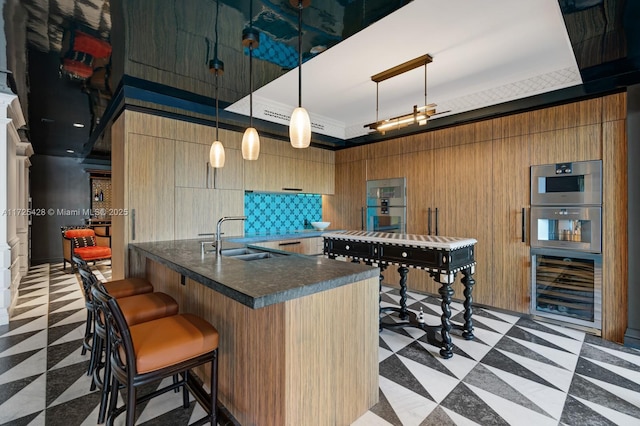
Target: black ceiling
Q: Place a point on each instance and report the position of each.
(608, 57)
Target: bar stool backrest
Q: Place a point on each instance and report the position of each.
(122, 355)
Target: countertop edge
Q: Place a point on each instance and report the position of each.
(220, 288)
(265, 300)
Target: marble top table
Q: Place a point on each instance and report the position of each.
(441, 257)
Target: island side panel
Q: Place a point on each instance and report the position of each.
(312, 360)
(332, 355)
(251, 364)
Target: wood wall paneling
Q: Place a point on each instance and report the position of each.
(119, 228)
(150, 179)
(344, 208)
(614, 231)
(198, 211)
(510, 260)
(480, 191)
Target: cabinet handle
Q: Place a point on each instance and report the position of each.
(292, 189)
(289, 243)
(215, 178)
(362, 218)
(524, 225)
(133, 224)
(436, 221)
(206, 178)
(429, 221)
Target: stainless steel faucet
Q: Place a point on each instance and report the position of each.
(219, 233)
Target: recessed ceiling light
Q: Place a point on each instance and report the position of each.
(317, 49)
(79, 125)
(70, 151)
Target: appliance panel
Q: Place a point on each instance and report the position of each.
(390, 192)
(572, 228)
(567, 286)
(387, 219)
(573, 183)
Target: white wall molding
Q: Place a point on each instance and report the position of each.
(14, 195)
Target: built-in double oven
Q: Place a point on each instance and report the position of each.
(386, 209)
(566, 242)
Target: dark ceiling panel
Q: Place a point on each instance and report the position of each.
(55, 103)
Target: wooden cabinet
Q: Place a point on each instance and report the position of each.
(278, 172)
(193, 169)
(150, 188)
(455, 184)
(198, 211)
(161, 179)
(308, 246)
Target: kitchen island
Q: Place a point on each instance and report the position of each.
(287, 356)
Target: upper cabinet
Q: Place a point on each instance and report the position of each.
(281, 168)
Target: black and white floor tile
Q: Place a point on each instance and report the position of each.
(517, 371)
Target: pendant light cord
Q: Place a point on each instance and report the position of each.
(300, 53)
(215, 58)
(425, 85)
(251, 85)
(251, 67)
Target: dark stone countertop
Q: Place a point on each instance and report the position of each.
(281, 235)
(255, 283)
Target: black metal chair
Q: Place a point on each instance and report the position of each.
(139, 355)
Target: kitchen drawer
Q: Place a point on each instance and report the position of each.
(308, 246)
(359, 250)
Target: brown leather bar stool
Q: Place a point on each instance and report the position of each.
(136, 309)
(139, 355)
(117, 288)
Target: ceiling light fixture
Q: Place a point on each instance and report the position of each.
(419, 115)
(216, 66)
(78, 125)
(250, 139)
(300, 124)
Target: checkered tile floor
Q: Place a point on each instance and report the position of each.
(517, 371)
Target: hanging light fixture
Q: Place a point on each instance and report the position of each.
(216, 66)
(250, 139)
(419, 115)
(216, 153)
(300, 124)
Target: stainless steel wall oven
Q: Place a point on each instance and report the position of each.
(566, 243)
(386, 209)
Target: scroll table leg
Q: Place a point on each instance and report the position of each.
(446, 293)
(403, 271)
(468, 282)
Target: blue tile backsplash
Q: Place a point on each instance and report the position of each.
(270, 213)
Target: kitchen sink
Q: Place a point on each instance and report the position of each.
(245, 253)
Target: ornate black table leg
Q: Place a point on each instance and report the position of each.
(446, 293)
(403, 271)
(468, 282)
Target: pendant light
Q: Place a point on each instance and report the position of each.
(216, 66)
(300, 124)
(216, 153)
(250, 139)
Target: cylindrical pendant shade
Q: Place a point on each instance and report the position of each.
(216, 155)
(250, 144)
(300, 128)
